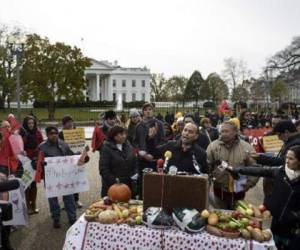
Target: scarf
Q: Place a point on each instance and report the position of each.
(291, 174)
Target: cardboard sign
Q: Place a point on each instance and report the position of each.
(75, 138)
(272, 143)
(29, 172)
(17, 199)
(64, 177)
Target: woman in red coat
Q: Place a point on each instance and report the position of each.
(32, 138)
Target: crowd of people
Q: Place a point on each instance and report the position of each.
(198, 145)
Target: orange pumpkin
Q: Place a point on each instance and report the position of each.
(119, 192)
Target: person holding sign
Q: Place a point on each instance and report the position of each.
(32, 138)
(52, 147)
(9, 164)
(68, 123)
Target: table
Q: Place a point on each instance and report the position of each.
(85, 235)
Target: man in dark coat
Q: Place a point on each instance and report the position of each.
(187, 155)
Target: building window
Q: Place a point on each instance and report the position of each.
(114, 82)
(143, 97)
(124, 97)
(123, 83)
(133, 83)
(114, 97)
(133, 97)
(143, 83)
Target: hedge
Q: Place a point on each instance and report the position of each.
(87, 104)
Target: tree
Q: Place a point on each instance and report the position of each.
(287, 59)
(7, 65)
(258, 90)
(235, 72)
(279, 91)
(193, 87)
(158, 85)
(240, 94)
(175, 88)
(52, 72)
(217, 88)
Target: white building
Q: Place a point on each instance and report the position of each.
(106, 82)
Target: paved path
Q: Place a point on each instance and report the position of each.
(40, 235)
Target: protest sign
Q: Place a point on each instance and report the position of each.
(17, 199)
(75, 138)
(272, 143)
(64, 177)
(255, 135)
(29, 172)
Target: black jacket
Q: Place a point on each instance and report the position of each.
(184, 160)
(116, 164)
(284, 202)
(142, 140)
(55, 149)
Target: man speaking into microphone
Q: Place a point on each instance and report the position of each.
(185, 153)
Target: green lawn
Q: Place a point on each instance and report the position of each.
(81, 114)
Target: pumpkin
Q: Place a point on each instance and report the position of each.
(119, 192)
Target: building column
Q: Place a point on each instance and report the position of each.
(109, 89)
(97, 87)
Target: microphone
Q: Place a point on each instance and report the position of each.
(160, 165)
(168, 156)
(9, 185)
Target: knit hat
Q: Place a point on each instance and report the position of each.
(235, 121)
(133, 113)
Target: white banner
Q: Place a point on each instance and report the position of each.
(17, 199)
(29, 172)
(64, 177)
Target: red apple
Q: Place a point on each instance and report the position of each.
(262, 208)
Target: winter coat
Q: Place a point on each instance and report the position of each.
(184, 160)
(236, 154)
(49, 149)
(98, 138)
(31, 139)
(116, 164)
(284, 201)
(7, 157)
(277, 161)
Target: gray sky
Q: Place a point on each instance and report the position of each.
(168, 36)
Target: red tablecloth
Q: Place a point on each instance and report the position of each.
(92, 235)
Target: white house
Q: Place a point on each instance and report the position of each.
(107, 81)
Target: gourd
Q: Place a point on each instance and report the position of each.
(119, 192)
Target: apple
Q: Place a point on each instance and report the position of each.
(249, 228)
(205, 214)
(245, 221)
(262, 208)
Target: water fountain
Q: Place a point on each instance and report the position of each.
(119, 106)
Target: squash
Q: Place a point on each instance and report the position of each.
(119, 192)
(108, 217)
